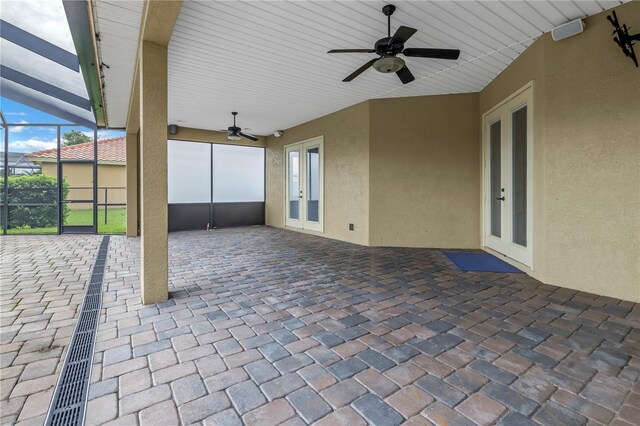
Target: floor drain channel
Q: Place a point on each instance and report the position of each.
(69, 400)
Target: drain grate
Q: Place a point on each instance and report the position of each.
(70, 398)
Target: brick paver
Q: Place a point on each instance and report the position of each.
(266, 326)
(42, 284)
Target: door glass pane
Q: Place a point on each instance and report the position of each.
(519, 175)
(313, 184)
(238, 174)
(188, 172)
(495, 171)
(294, 184)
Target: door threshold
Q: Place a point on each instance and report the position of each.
(524, 268)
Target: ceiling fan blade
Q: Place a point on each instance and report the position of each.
(360, 70)
(248, 136)
(403, 34)
(432, 53)
(351, 51)
(405, 75)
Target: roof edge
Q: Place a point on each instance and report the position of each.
(80, 19)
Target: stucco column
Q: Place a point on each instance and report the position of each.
(153, 172)
(132, 184)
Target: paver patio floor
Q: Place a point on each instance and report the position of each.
(266, 326)
(42, 282)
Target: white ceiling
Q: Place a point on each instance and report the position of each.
(268, 61)
(118, 23)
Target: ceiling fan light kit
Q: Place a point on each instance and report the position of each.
(389, 47)
(235, 132)
(388, 64)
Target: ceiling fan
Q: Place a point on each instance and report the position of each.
(235, 132)
(389, 47)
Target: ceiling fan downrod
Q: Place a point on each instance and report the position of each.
(388, 11)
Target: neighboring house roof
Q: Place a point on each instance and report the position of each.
(19, 159)
(109, 151)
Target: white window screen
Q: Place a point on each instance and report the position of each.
(238, 174)
(189, 172)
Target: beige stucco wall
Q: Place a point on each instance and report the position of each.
(81, 175)
(417, 182)
(414, 184)
(346, 172)
(586, 157)
(50, 169)
(424, 172)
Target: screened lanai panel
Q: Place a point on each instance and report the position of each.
(189, 172)
(238, 174)
(32, 181)
(78, 174)
(112, 184)
(3, 207)
(39, 66)
(214, 185)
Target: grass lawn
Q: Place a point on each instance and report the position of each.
(116, 222)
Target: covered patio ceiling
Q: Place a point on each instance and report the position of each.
(268, 59)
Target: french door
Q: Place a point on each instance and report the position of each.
(304, 185)
(508, 177)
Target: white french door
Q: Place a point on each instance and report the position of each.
(304, 169)
(508, 177)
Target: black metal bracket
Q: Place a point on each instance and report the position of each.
(623, 38)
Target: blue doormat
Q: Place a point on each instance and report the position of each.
(480, 262)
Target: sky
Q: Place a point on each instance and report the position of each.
(32, 139)
(46, 20)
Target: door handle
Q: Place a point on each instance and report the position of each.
(500, 198)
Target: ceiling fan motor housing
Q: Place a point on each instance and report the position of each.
(386, 46)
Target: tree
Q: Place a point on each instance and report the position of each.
(75, 137)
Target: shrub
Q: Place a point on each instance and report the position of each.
(34, 189)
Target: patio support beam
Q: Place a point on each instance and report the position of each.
(132, 184)
(158, 20)
(154, 282)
